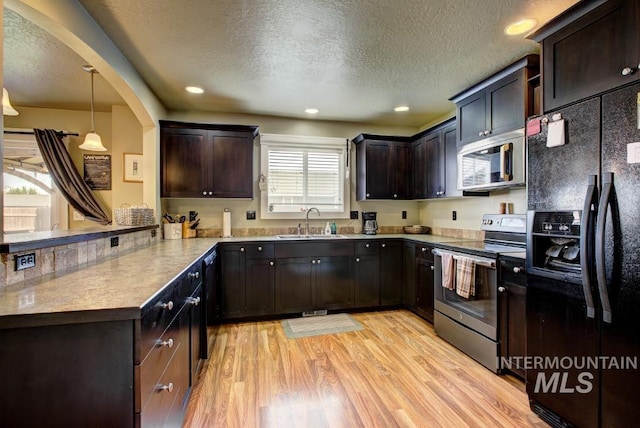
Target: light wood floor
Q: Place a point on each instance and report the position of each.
(394, 372)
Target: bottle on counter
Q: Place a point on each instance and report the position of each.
(327, 229)
(334, 228)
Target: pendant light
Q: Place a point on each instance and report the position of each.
(7, 108)
(92, 141)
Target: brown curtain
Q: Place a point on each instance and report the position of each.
(65, 175)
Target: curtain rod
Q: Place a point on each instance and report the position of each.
(62, 134)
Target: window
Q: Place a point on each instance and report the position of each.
(32, 202)
(298, 173)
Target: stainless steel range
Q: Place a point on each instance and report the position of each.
(466, 288)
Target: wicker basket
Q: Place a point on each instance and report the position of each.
(415, 230)
(127, 215)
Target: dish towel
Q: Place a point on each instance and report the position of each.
(465, 277)
(448, 271)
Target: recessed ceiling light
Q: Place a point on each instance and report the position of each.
(312, 111)
(194, 89)
(401, 108)
(520, 27)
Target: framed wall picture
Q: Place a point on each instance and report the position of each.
(132, 170)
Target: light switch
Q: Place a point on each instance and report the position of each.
(633, 153)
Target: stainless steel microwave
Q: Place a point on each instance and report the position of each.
(492, 163)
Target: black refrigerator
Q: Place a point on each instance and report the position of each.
(583, 264)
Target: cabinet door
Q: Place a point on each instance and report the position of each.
(260, 286)
(391, 273)
(424, 288)
(294, 290)
(450, 188)
(232, 165)
(435, 165)
(419, 168)
(367, 281)
(378, 176)
(399, 170)
(588, 56)
(472, 114)
(184, 169)
(505, 103)
(409, 275)
(232, 287)
(333, 282)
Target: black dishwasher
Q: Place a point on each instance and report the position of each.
(210, 308)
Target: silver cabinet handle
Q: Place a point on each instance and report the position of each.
(517, 269)
(357, 259)
(194, 275)
(627, 71)
(383, 245)
(167, 343)
(194, 301)
(395, 195)
(432, 268)
(501, 289)
(480, 134)
(259, 248)
(424, 250)
(168, 388)
(366, 245)
(204, 192)
(318, 261)
(270, 263)
(210, 193)
(487, 132)
(368, 195)
(313, 262)
(168, 305)
(242, 249)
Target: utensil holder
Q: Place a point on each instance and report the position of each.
(187, 232)
(172, 231)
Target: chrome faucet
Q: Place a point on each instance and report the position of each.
(306, 223)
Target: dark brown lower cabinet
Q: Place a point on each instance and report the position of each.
(260, 286)
(333, 283)
(391, 267)
(409, 275)
(294, 285)
(424, 282)
(367, 281)
(512, 308)
(232, 281)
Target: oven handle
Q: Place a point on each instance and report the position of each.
(489, 263)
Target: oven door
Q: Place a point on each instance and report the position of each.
(479, 312)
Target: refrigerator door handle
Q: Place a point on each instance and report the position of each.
(607, 185)
(585, 235)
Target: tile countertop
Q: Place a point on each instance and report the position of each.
(117, 288)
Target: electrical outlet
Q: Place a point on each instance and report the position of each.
(454, 215)
(153, 233)
(354, 215)
(25, 261)
(114, 241)
(404, 215)
(251, 215)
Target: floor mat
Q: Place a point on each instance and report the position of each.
(315, 326)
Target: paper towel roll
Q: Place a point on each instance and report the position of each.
(226, 224)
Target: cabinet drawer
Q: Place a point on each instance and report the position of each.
(157, 361)
(512, 272)
(156, 317)
(365, 248)
(188, 283)
(424, 252)
(159, 404)
(259, 251)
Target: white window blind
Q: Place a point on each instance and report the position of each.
(303, 172)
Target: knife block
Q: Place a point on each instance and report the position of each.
(187, 232)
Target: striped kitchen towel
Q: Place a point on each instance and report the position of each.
(448, 271)
(465, 277)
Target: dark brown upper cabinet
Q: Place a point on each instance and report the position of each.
(206, 161)
(591, 48)
(498, 104)
(382, 167)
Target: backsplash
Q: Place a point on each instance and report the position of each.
(62, 257)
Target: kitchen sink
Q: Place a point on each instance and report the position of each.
(295, 236)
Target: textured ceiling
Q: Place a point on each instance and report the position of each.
(354, 60)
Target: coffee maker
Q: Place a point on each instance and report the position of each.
(369, 223)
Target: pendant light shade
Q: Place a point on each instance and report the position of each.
(7, 108)
(92, 141)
